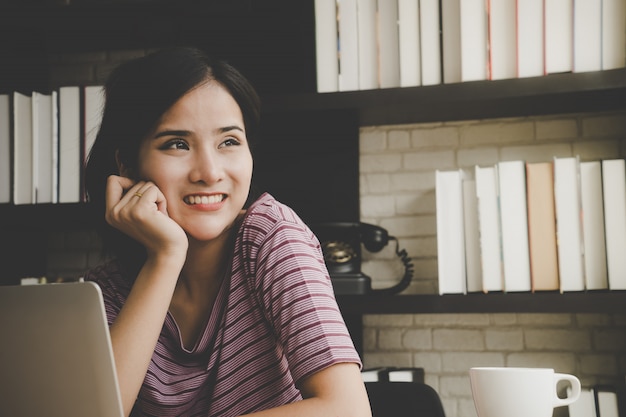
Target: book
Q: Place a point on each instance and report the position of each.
(378, 374)
(607, 400)
(544, 268)
(451, 40)
(613, 34)
(408, 374)
(530, 44)
(450, 232)
(93, 104)
(409, 43)
(489, 228)
(393, 374)
(614, 193)
(594, 245)
(430, 42)
(514, 225)
(368, 44)
(22, 149)
(558, 29)
(473, 267)
(502, 39)
(55, 146)
(69, 144)
(474, 41)
(326, 58)
(587, 35)
(43, 147)
(5, 149)
(388, 49)
(347, 23)
(585, 406)
(568, 223)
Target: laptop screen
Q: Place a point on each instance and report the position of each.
(55, 356)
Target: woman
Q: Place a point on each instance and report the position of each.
(218, 306)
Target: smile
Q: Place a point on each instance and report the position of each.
(204, 199)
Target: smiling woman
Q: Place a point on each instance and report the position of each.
(219, 302)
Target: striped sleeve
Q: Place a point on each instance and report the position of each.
(296, 292)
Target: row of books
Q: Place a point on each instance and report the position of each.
(519, 226)
(44, 141)
(369, 44)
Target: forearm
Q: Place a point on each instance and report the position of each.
(135, 332)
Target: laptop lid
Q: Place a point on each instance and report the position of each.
(55, 355)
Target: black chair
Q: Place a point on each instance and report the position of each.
(404, 399)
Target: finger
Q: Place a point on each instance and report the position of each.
(116, 188)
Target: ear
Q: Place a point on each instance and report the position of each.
(123, 170)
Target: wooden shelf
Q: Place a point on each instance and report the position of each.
(551, 94)
(541, 302)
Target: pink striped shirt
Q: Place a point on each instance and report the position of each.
(275, 322)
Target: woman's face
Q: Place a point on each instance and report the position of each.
(198, 156)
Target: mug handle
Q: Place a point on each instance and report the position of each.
(575, 383)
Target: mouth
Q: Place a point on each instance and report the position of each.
(204, 199)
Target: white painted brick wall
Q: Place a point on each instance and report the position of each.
(397, 192)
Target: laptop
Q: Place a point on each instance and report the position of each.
(56, 358)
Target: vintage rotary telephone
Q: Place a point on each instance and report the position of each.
(341, 246)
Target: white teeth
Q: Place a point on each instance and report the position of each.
(204, 199)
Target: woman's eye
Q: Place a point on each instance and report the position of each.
(175, 144)
(230, 142)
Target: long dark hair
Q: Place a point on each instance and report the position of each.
(137, 93)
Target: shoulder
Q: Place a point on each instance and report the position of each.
(267, 217)
(112, 280)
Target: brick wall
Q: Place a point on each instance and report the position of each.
(397, 180)
(397, 187)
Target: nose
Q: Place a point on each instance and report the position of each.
(206, 167)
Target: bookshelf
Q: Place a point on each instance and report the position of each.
(284, 31)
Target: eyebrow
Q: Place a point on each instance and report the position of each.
(187, 133)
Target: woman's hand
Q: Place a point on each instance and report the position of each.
(139, 209)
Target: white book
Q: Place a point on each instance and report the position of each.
(489, 227)
(474, 41)
(568, 224)
(514, 225)
(5, 149)
(43, 143)
(607, 402)
(430, 42)
(409, 41)
(614, 191)
(530, 39)
(69, 144)
(451, 40)
(389, 47)
(593, 225)
(585, 406)
(22, 149)
(587, 35)
(450, 232)
(348, 45)
(472, 236)
(558, 15)
(613, 34)
(94, 104)
(368, 47)
(55, 147)
(327, 65)
(502, 39)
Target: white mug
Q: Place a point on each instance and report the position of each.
(519, 392)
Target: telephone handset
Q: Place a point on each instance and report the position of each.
(341, 245)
